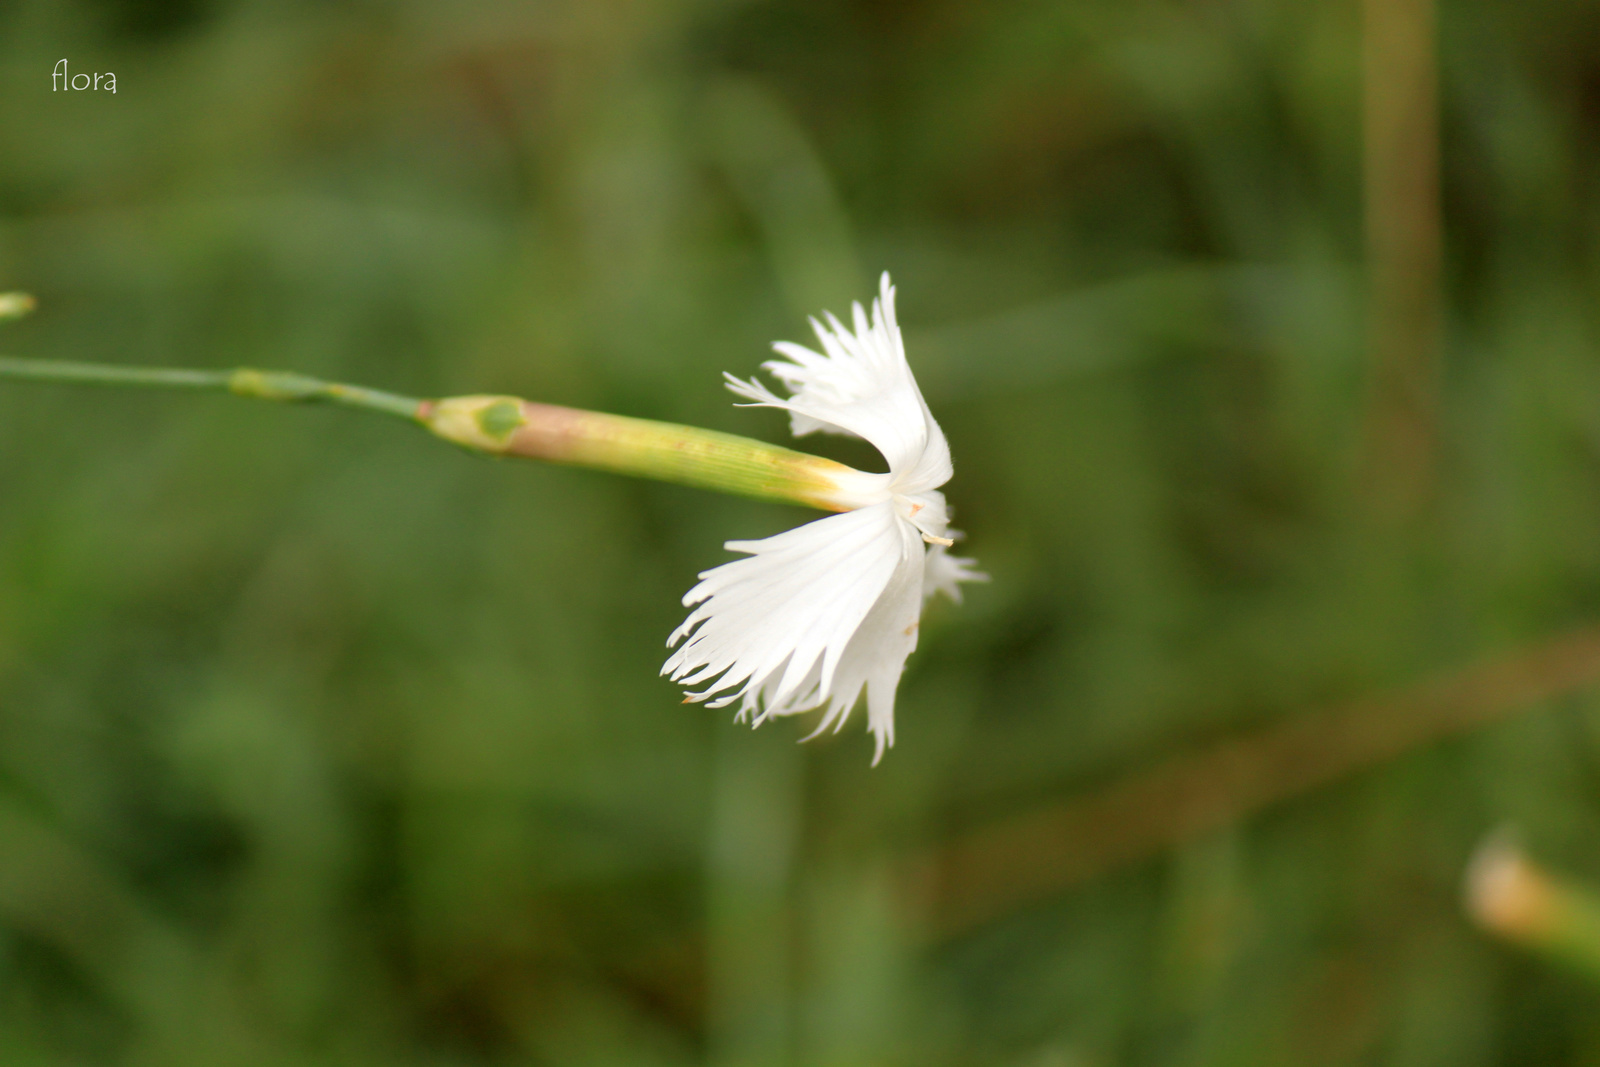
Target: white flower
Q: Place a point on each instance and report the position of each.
(814, 615)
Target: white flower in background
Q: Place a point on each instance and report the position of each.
(814, 615)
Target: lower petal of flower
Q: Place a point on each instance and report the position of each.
(878, 651)
(775, 628)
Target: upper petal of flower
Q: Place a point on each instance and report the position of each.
(860, 384)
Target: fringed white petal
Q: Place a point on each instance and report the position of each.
(943, 573)
(860, 384)
(775, 626)
(877, 653)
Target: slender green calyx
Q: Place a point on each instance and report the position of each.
(511, 426)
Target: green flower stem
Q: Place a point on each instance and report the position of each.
(510, 426)
(241, 381)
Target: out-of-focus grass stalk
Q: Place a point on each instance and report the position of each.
(1403, 247)
(754, 834)
(778, 174)
(510, 426)
(1511, 897)
(991, 871)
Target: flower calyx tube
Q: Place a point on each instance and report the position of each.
(686, 455)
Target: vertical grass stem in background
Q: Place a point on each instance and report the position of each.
(1403, 228)
(758, 789)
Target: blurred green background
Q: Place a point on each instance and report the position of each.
(323, 743)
